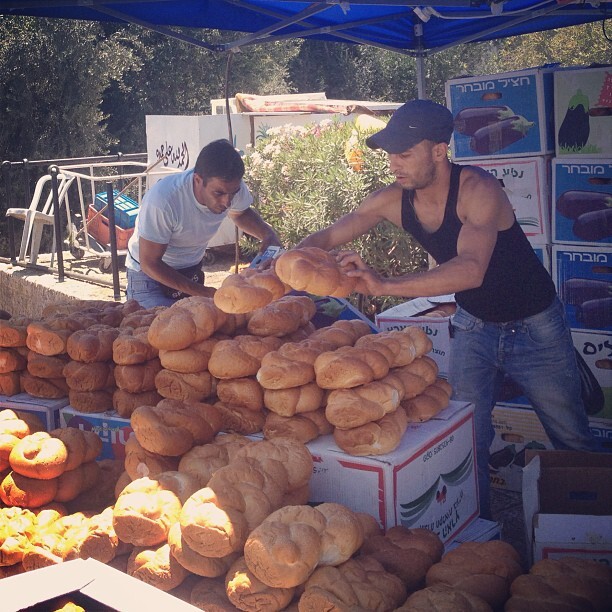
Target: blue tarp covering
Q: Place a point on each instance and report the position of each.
(386, 23)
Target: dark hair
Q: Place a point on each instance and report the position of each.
(219, 159)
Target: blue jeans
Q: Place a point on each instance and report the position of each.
(537, 352)
(146, 291)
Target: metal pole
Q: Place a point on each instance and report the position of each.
(6, 171)
(420, 62)
(57, 226)
(110, 199)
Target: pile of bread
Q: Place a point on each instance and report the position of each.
(227, 527)
(266, 370)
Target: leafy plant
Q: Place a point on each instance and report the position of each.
(303, 178)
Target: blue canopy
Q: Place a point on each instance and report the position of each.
(414, 27)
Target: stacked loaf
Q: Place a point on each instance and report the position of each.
(39, 468)
(249, 290)
(291, 394)
(13, 354)
(568, 583)
(136, 363)
(483, 569)
(377, 388)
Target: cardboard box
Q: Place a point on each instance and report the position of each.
(596, 350)
(543, 253)
(567, 504)
(583, 277)
(97, 226)
(502, 115)
(516, 431)
(113, 430)
(436, 327)
(47, 410)
(525, 181)
(602, 430)
(428, 481)
(89, 584)
(582, 102)
(332, 309)
(126, 209)
(582, 201)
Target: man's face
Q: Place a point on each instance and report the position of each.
(216, 194)
(414, 168)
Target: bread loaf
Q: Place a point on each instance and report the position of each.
(95, 376)
(441, 598)
(172, 427)
(348, 367)
(46, 366)
(295, 400)
(10, 423)
(286, 548)
(315, 271)
(47, 388)
(12, 360)
(358, 584)
(485, 569)
(10, 383)
(283, 316)
(138, 378)
(567, 583)
(241, 356)
(14, 331)
(92, 344)
(39, 456)
(347, 408)
(147, 507)
(187, 321)
(249, 290)
(374, 438)
(190, 387)
(245, 392)
(50, 336)
(140, 462)
(157, 567)
(246, 592)
(125, 402)
(19, 490)
(407, 553)
(191, 560)
(91, 401)
(132, 346)
(192, 359)
(297, 427)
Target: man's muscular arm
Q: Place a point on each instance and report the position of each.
(484, 212)
(381, 205)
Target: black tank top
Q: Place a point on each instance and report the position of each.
(516, 284)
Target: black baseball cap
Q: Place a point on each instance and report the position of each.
(411, 123)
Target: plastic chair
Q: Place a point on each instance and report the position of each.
(35, 220)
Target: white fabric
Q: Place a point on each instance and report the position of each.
(170, 214)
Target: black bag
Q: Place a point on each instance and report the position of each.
(193, 273)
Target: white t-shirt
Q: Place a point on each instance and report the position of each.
(170, 214)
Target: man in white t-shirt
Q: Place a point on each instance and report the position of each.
(178, 217)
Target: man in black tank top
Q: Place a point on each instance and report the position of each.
(509, 320)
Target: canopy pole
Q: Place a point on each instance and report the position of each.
(420, 62)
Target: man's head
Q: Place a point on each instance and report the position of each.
(217, 175)
(412, 123)
(219, 159)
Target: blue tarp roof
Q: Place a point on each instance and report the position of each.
(417, 28)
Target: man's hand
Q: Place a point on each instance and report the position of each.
(369, 282)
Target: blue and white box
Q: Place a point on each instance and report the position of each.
(502, 115)
(582, 201)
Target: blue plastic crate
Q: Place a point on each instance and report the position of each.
(126, 209)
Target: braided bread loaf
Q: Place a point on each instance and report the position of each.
(286, 548)
(313, 270)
